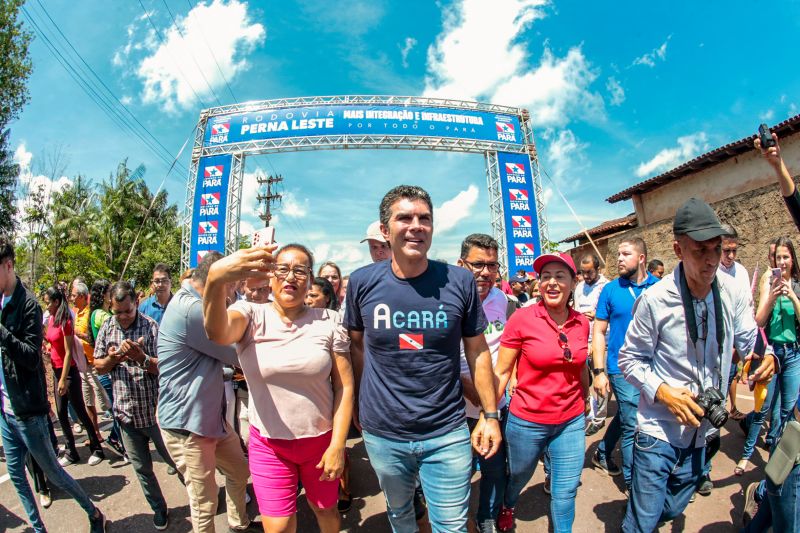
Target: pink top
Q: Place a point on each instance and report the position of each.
(288, 369)
(55, 336)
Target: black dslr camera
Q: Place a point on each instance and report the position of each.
(713, 404)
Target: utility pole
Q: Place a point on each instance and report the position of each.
(267, 196)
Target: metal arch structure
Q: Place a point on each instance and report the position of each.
(456, 126)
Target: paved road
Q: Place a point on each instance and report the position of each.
(600, 503)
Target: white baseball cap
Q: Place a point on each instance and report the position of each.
(374, 232)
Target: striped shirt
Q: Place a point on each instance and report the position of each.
(135, 389)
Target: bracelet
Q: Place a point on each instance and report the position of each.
(493, 415)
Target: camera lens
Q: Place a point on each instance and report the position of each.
(717, 416)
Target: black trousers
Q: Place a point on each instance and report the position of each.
(74, 396)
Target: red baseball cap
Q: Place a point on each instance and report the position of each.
(560, 257)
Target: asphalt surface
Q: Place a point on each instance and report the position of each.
(600, 504)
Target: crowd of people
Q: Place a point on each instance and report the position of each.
(258, 369)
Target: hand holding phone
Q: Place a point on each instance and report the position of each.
(765, 136)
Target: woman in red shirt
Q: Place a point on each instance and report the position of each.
(67, 379)
(548, 343)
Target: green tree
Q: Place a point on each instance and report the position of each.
(9, 174)
(15, 65)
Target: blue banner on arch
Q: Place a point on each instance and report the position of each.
(519, 209)
(210, 207)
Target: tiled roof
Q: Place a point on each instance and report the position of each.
(714, 157)
(607, 227)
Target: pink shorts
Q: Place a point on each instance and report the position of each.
(276, 465)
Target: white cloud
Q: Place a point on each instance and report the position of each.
(688, 147)
(345, 254)
(23, 157)
(476, 50)
(616, 91)
(767, 116)
(291, 206)
(566, 154)
(556, 91)
(173, 71)
(657, 54)
(30, 183)
(451, 212)
(126, 100)
(793, 110)
(408, 45)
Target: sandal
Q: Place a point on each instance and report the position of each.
(737, 415)
(741, 467)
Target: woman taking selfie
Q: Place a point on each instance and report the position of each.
(778, 310)
(548, 343)
(297, 365)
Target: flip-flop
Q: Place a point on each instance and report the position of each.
(741, 467)
(737, 415)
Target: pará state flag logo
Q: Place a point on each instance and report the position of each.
(505, 127)
(411, 341)
(201, 254)
(214, 171)
(518, 195)
(221, 128)
(210, 198)
(523, 250)
(521, 221)
(515, 169)
(210, 226)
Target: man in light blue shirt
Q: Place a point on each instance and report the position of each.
(191, 407)
(678, 347)
(161, 283)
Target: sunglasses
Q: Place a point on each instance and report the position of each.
(563, 343)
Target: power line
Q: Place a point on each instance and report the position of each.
(211, 50)
(91, 91)
(113, 96)
(177, 65)
(194, 60)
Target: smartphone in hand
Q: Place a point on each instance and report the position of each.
(263, 237)
(765, 136)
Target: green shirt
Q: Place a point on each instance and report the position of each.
(782, 322)
(98, 318)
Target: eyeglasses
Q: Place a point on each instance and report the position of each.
(563, 343)
(701, 314)
(478, 266)
(161, 281)
(282, 272)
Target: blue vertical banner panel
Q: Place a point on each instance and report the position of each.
(210, 206)
(519, 210)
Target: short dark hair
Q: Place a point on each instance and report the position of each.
(7, 249)
(638, 243)
(593, 258)
(478, 240)
(730, 232)
(121, 290)
(200, 272)
(402, 192)
(653, 265)
(306, 251)
(164, 269)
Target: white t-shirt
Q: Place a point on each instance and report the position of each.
(288, 369)
(587, 296)
(740, 276)
(495, 307)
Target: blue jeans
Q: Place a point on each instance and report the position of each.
(781, 508)
(442, 465)
(525, 442)
(664, 479)
(622, 425)
(31, 435)
(787, 385)
(492, 486)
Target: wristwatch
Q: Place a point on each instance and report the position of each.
(598, 371)
(495, 415)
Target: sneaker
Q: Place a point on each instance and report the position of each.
(77, 428)
(97, 523)
(247, 498)
(547, 485)
(160, 520)
(704, 489)
(693, 498)
(45, 499)
(96, 458)
(254, 527)
(107, 416)
(67, 459)
(125, 459)
(594, 427)
(171, 472)
(750, 503)
(606, 464)
(487, 526)
(505, 520)
(116, 446)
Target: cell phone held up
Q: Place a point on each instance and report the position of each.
(263, 237)
(776, 274)
(765, 136)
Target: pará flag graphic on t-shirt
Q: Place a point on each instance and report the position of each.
(411, 341)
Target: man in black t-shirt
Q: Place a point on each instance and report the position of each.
(407, 318)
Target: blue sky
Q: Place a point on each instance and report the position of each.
(618, 92)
